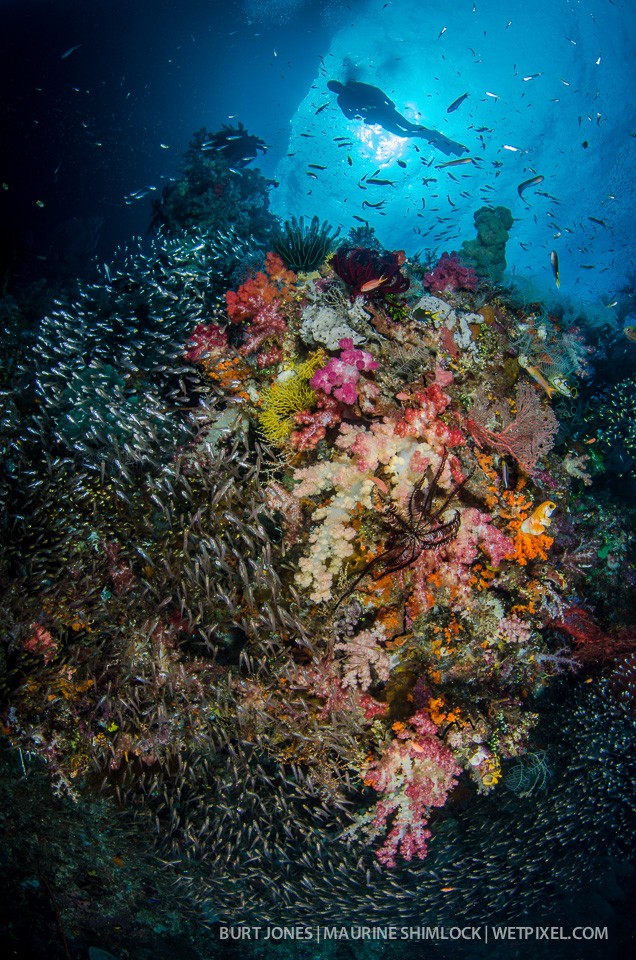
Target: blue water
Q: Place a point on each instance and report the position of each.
(549, 93)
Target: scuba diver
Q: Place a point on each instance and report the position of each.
(370, 104)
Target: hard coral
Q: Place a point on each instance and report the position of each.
(370, 273)
(449, 274)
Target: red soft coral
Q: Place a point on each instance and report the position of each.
(449, 274)
(259, 303)
(315, 423)
(205, 339)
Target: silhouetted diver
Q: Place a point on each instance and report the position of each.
(372, 105)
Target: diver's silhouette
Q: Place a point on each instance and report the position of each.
(372, 105)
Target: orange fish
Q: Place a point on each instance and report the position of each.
(372, 284)
(539, 519)
(536, 374)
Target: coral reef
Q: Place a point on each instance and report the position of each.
(309, 606)
(216, 190)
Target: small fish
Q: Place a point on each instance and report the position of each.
(316, 166)
(495, 96)
(539, 519)
(164, 146)
(70, 50)
(562, 386)
(453, 163)
(349, 160)
(596, 220)
(532, 76)
(536, 375)
(554, 260)
(533, 181)
(372, 284)
(630, 332)
(457, 103)
(442, 32)
(320, 109)
(402, 163)
(382, 183)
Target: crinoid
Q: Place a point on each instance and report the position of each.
(370, 273)
(304, 248)
(409, 533)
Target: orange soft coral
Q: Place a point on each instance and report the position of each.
(526, 546)
(264, 289)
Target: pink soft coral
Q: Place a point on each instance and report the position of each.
(341, 374)
(417, 772)
(41, 642)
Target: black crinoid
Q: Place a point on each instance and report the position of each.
(304, 248)
(409, 533)
(235, 144)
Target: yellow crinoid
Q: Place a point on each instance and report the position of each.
(288, 395)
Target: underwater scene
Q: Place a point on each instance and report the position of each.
(317, 480)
